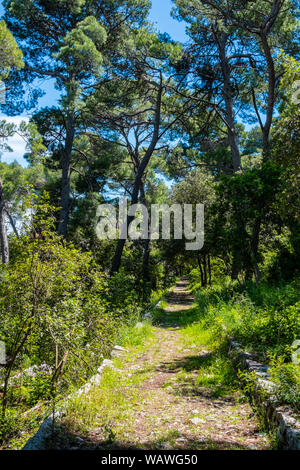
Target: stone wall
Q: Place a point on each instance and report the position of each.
(277, 418)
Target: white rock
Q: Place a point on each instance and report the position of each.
(197, 421)
(119, 348)
(105, 363)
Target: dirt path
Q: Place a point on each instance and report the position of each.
(172, 410)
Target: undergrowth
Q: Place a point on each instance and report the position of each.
(265, 320)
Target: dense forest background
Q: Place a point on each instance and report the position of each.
(214, 121)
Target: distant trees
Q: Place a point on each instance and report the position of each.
(13, 178)
(233, 52)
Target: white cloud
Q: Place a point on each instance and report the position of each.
(16, 143)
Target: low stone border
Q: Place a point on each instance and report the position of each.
(43, 435)
(41, 438)
(276, 417)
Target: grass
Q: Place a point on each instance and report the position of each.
(18, 428)
(265, 319)
(135, 335)
(108, 408)
(214, 369)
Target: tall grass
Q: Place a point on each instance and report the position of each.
(265, 319)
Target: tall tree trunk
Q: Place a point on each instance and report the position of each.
(66, 175)
(254, 247)
(116, 263)
(271, 96)
(147, 242)
(229, 116)
(234, 267)
(209, 269)
(205, 270)
(3, 231)
(146, 259)
(227, 93)
(266, 128)
(201, 270)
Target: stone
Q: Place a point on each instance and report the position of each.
(41, 438)
(117, 351)
(119, 348)
(197, 421)
(105, 363)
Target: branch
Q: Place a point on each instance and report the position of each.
(256, 109)
(11, 220)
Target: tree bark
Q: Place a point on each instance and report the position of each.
(271, 97)
(3, 231)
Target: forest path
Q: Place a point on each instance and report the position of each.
(174, 397)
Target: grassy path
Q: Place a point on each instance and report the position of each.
(177, 391)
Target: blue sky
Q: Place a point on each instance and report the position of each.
(160, 15)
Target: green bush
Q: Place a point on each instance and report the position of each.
(286, 376)
(266, 320)
(53, 307)
(263, 318)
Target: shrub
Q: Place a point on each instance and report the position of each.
(52, 305)
(286, 376)
(263, 318)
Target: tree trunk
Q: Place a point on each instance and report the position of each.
(3, 231)
(147, 242)
(201, 271)
(254, 247)
(209, 270)
(271, 96)
(227, 93)
(146, 258)
(266, 128)
(266, 147)
(234, 268)
(205, 270)
(139, 178)
(66, 175)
